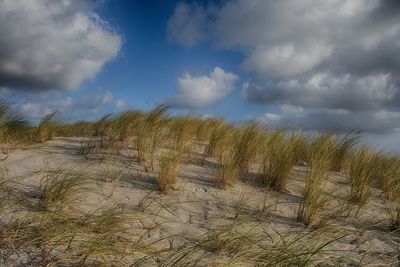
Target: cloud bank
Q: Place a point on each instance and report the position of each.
(202, 91)
(52, 44)
(336, 60)
(38, 105)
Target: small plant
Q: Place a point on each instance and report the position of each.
(313, 201)
(46, 127)
(169, 168)
(226, 170)
(277, 161)
(58, 190)
(341, 152)
(360, 177)
(246, 146)
(150, 133)
(215, 145)
(389, 175)
(109, 220)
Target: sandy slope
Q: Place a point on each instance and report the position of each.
(196, 206)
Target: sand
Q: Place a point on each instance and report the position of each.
(196, 207)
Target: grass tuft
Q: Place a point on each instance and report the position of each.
(59, 190)
(313, 201)
(362, 169)
(169, 168)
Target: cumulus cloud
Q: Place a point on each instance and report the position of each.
(203, 91)
(36, 106)
(324, 90)
(337, 60)
(187, 26)
(52, 44)
(120, 104)
(377, 122)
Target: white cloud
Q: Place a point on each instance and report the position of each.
(335, 60)
(52, 44)
(286, 59)
(327, 90)
(187, 25)
(120, 104)
(34, 107)
(203, 91)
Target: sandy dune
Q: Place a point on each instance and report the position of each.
(196, 207)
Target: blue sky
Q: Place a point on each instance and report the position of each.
(315, 65)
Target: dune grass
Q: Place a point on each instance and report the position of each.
(246, 146)
(277, 161)
(59, 190)
(388, 174)
(341, 152)
(47, 126)
(226, 172)
(58, 233)
(150, 134)
(313, 201)
(361, 173)
(169, 168)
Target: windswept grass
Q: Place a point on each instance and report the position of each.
(227, 168)
(388, 173)
(277, 161)
(182, 134)
(169, 168)
(126, 124)
(362, 169)
(47, 126)
(150, 134)
(13, 129)
(246, 146)
(60, 189)
(251, 246)
(313, 201)
(341, 152)
(215, 145)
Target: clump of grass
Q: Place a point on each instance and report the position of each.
(102, 126)
(278, 160)
(252, 246)
(205, 128)
(169, 168)
(227, 169)
(60, 189)
(182, 133)
(150, 134)
(109, 220)
(389, 174)
(246, 146)
(126, 124)
(13, 129)
(313, 201)
(215, 145)
(47, 125)
(361, 172)
(298, 144)
(341, 152)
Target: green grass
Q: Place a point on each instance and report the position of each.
(246, 146)
(169, 168)
(361, 173)
(313, 202)
(277, 161)
(58, 190)
(47, 126)
(226, 172)
(388, 174)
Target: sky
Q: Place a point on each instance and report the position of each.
(309, 64)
